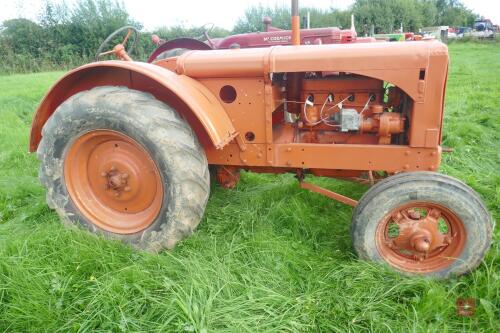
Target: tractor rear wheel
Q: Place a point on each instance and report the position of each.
(123, 164)
(422, 223)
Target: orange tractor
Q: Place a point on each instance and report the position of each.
(127, 148)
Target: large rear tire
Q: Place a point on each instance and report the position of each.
(121, 163)
(422, 223)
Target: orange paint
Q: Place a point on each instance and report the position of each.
(113, 181)
(247, 105)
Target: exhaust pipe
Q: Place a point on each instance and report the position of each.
(294, 79)
(295, 23)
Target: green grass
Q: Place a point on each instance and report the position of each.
(267, 257)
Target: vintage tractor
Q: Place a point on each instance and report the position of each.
(271, 36)
(127, 148)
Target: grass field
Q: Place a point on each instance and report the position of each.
(267, 257)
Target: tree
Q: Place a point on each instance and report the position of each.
(23, 36)
(429, 12)
(454, 13)
(252, 18)
(385, 15)
(388, 15)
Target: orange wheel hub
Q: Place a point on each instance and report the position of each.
(113, 181)
(420, 237)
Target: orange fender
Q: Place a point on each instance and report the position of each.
(190, 98)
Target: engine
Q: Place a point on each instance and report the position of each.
(345, 108)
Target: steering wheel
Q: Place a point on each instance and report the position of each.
(207, 28)
(119, 49)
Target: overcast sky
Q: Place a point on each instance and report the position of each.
(155, 13)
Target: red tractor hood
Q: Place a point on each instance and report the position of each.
(284, 37)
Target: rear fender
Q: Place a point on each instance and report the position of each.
(190, 98)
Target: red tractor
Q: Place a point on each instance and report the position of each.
(270, 37)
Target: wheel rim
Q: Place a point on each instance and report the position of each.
(420, 237)
(113, 181)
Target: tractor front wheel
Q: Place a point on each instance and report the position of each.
(422, 223)
(121, 163)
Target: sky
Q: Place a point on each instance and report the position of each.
(223, 13)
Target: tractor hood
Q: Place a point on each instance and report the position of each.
(284, 37)
(398, 63)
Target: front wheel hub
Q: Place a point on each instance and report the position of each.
(116, 181)
(420, 237)
(421, 242)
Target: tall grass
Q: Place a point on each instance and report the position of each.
(267, 257)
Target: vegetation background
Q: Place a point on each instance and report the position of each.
(64, 37)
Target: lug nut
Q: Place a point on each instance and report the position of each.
(398, 216)
(435, 213)
(415, 215)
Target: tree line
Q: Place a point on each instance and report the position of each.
(64, 36)
(385, 15)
